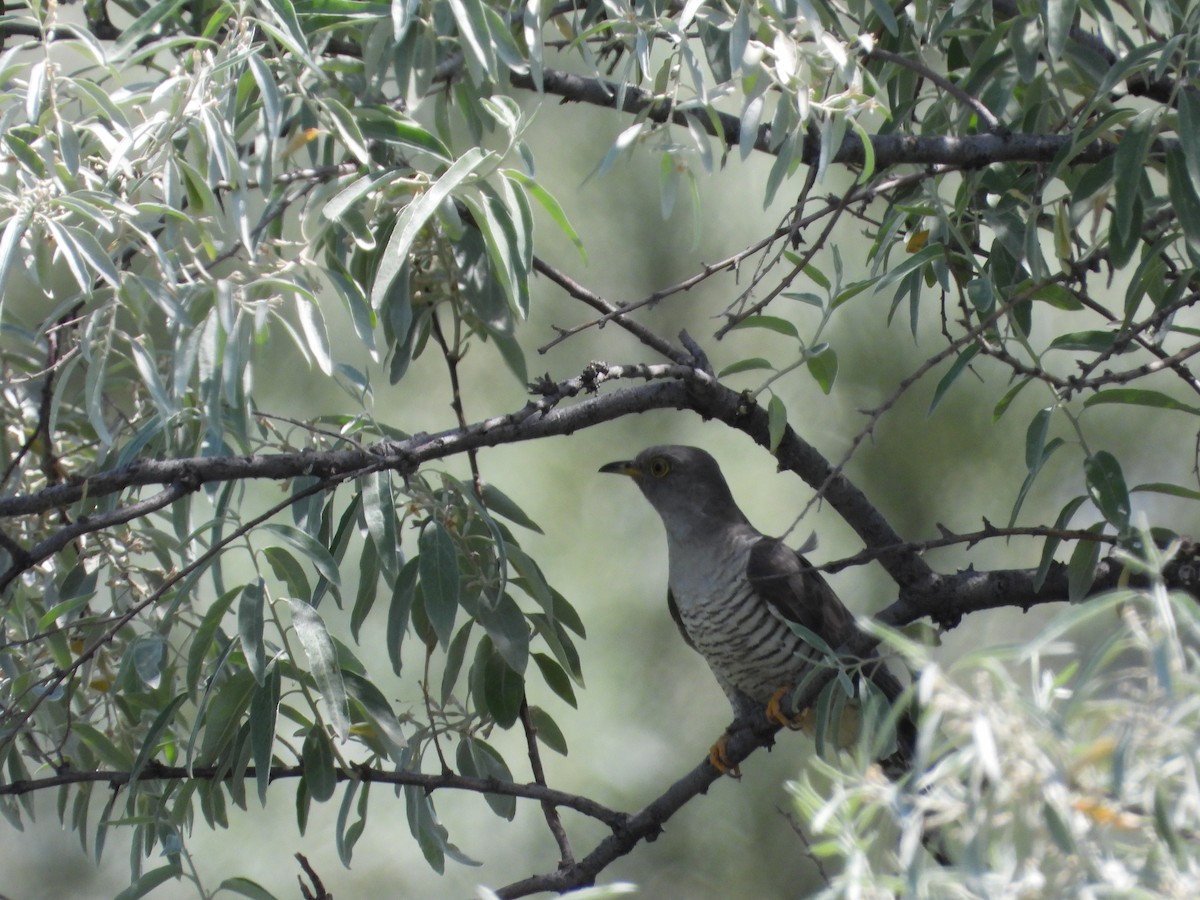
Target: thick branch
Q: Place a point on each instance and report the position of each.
(967, 152)
(688, 388)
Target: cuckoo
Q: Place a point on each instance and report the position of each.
(734, 593)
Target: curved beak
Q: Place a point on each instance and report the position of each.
(622, 467)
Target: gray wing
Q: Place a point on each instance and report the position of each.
(783, 578)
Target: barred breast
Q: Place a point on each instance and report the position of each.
(746, 643)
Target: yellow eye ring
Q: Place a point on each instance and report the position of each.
(659, 467)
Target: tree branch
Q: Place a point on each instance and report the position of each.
(970, 151)
(156, 772)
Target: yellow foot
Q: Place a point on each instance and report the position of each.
(719, 761)
(775, 712)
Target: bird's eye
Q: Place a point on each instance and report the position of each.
(659, 467)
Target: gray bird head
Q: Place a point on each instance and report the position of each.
(684, 485)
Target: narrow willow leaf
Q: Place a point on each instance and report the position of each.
(555, 677)
(1059, 16)
(202, 639)
(1010, 395)
(1130, 170)
(414, 216)
(547, 730)
(147, 653)
(368, 588)
(151, 880)
(503, 688)
(250, 628)
(312, 323)
(487, 763)
(376, 707)
(440, 582)
(960, 364)
(771, 323)
(745, 365)
(10, 240)
(316, 756)
(1052, 542)
(1106, 487)
(491, 765)
(264, 708)
(347, 128)
(508, 629)
(322, 663)
(1081, 570)
(1140, 397)
(346, 837)
(1035, 438)
(776, 422)
(1096, 341)
(501, 504)
(288, 570)
(1189, 132)
(150, 743)
(1173, 490)
(223, 717)
(308, 546)
(379, 509)
(403, 592)
(245, 887)
(476, 41)
(552, 207)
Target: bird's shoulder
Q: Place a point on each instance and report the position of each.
(786, 581)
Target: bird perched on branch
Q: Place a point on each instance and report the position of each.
(747, 603)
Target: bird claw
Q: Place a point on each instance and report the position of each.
(718, 759)
(776, 714)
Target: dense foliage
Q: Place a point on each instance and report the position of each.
(184, 186)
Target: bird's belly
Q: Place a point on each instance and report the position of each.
(746, 644)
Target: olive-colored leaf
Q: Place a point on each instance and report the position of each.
(501, 504)
(403, 592)
(823, 367)
(246, 888)
(316, 756)
(547, 730)
(223, 715)
(479, 760)
(1081, 570)
(776, 422)
(440, 580)
(1051, 545)
(555, 677)
(745, 365)
(943, 385)
(1140, 397)
(507, 627)
(264, 709)
(1106, 487)
(288, 570)
(771, 323)
(310, 548)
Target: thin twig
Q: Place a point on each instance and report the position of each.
(913, 65)
(449, 781)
